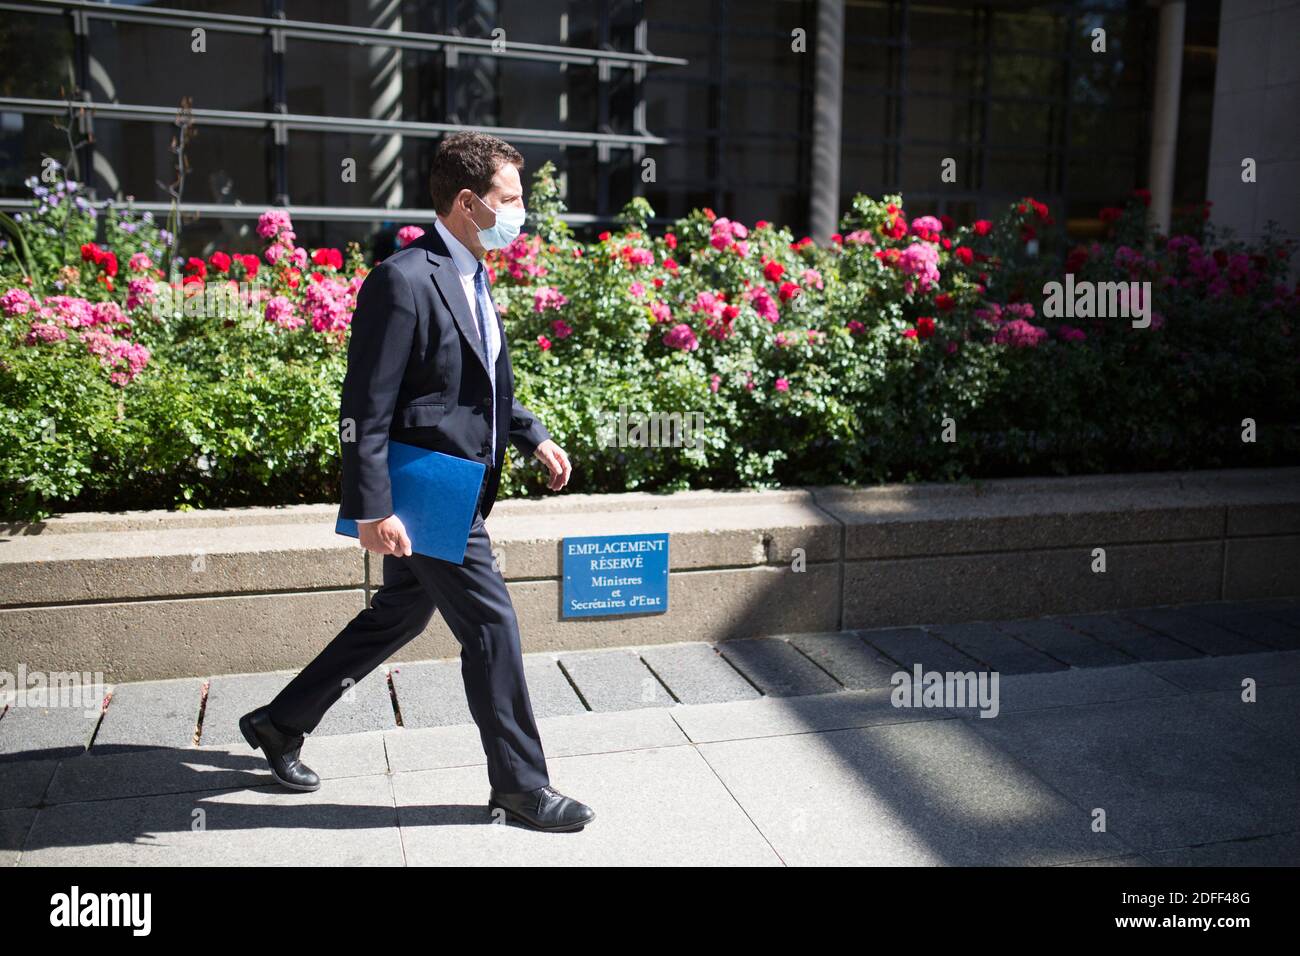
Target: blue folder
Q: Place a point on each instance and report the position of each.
(434, 495)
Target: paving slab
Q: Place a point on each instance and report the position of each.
(1065, 644)
(549, 690)
(24, 782)
(1250, 622)
(1169, 772)
(161, 713)
(1017, 693)
(1205, 636)
(1275, 711)
(14, 827)
(366, 707)
(777, 716)
(1131, 859)
(1128, 636)
(443, 747)
(152, 772)
(909, 646)
(351, 822)
(776, 667)
(614, 680)
(34, 733)
(1275, 669)
(696, 673)
(1278, 849)
(1286, 610)
(925, 793)
(995, 648)
(431, 694)
(230, 696)
(848, 658)
(657, 807)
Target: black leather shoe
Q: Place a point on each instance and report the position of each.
(281, 750)
(543, 809)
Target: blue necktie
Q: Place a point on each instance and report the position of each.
(487, 327)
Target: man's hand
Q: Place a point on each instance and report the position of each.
(553, 457)
(385, 537)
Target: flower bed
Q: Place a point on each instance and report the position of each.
(901, 350)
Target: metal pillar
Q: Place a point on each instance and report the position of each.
(1164, 114)
(828, 93)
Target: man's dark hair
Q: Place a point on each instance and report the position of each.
(467, 161)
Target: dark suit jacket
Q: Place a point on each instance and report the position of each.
(416, 374)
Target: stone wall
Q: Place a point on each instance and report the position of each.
(148, 595)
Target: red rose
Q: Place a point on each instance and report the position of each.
(982, 227)
(925, 326)
(947, 223)
(789, 290)
(196, 267)
(670, 240)
(250, 265)
(603, 236)
(219, 261)
(328, 257)
(709, 214)
(89, 251)
(109, 262)
(773, 270)
(964, 255)
(837, 239)
(944, 301)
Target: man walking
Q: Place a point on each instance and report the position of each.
(428, 366)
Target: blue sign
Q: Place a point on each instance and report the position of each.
(615, 574)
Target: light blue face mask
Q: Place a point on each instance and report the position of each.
(509, 221)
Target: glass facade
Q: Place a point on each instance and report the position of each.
(288, 94)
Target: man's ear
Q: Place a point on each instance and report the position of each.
(473, 208)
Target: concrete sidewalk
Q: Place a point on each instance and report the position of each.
(766, 751)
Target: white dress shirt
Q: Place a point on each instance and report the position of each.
(466, 267)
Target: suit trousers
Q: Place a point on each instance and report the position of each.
(477, 607)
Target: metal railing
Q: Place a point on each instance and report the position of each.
(279, 122)
(340, 33)
(276, 118)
